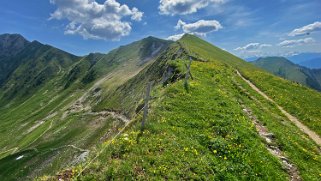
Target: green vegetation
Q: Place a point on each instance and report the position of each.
(298, 100)
(35, 65)
(46, 105)
(126, 98)
(204, 133)
(284, 68)
(10, 46)
(297, 146)
(199, 133)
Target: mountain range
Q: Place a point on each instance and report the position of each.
(309, 60)
(152, 110)
(284, 68)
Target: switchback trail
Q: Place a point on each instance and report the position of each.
(315, 137)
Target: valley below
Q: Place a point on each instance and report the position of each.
(210, 115)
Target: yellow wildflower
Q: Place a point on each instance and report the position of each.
(195, 152)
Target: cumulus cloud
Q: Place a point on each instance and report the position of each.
(265, 45)
(291, 43)
(252, 46)
(306, 30)
(175, 37)
(201, 27)
(92, 20)
(183, 7)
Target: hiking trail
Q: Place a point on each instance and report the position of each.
(315, 137)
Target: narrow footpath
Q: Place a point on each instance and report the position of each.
(315, 137)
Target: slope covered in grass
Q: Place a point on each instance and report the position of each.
(299, 100)
(10, 45)
(33, 66)
(47, 120)
(284, 68)
(201, 131)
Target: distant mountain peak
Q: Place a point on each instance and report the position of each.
(275, 59)
(11, 44)
(151, 37)
(13, 35)
(310, 60)
(284, 68)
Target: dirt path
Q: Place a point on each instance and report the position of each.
(71, 146)
(14, 150)
(316, 138)
(49, 127)
(270, 144)
(113, 114)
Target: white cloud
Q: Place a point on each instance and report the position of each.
(306, 30)
(291, 43)
(183, 7)
(265, 45)
(175, 37)
(201, 27)
(92, 20)
(252, 46)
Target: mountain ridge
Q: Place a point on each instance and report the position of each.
(200, 126)
(309, 60)
(191, 130)
(284, 68)
(10, 45)
(51, 115)
(32, 66)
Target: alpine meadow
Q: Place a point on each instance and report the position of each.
(160, 90)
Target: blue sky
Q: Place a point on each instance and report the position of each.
(245, 28)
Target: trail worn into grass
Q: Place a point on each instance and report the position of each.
(113, 114)
(14, 150)
(50, 126)
(315, 137)
(271, 145)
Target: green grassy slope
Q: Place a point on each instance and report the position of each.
(132, 91)
(284, 68)
(36, 64)
(127, 58)
(317, 73)
(202, 132)
(299, 100)
(54, 124)
(10, 46)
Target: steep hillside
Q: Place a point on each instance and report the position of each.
(284, 68)
(36, 64)
(10, 45)
(125, 58)
(46, 116)
(230, 121)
